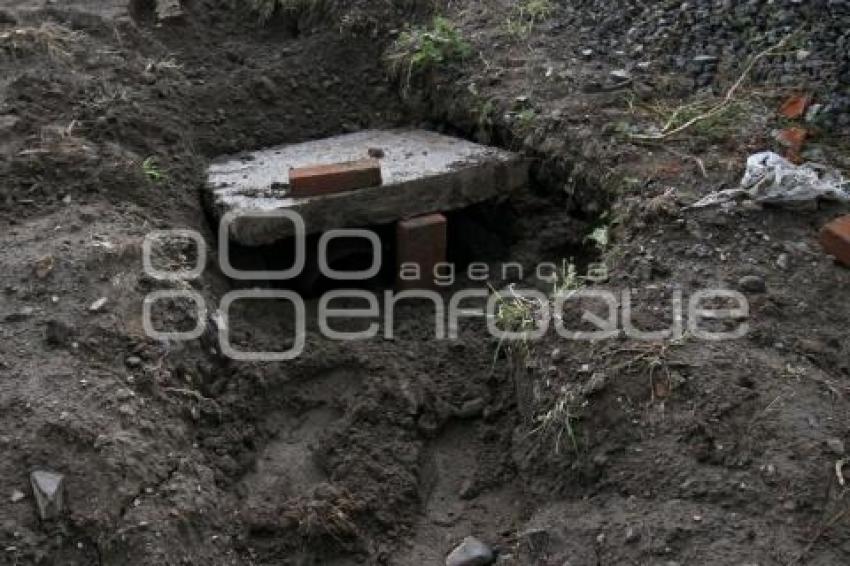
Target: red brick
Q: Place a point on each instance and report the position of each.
(319, 180)
(835, 239)
(422, 241)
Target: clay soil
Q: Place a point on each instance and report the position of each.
(392, 451)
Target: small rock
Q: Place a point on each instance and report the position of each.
(376, 153)
(556, 355)
(752, 284)
(471, 552)
(124, 394)
(632, 535)
(133, 361)
(621, 75)
(169, 10)
(128, 411)
(703, 59)
(782, 262)
(48, 488)
(836, 446)
(98, 305)
(17, 495)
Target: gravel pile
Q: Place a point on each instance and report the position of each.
(705, 37)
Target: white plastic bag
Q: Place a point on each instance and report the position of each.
(770, 178)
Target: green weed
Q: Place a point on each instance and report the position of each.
(601, 238)
(152, 170)
(421, 49)
(566, 280)
(516, 314)
(525, 120)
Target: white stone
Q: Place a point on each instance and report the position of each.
(471, 552)
(98, 305)
(48, 488)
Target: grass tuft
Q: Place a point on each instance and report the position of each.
(59, 42)
(567, 280)
(560, 421)
(516, 314)
(152, 170)
(422, 49)
(525, 15)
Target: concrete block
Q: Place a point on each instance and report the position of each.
(420, 241)
(835, 239)
(422, 172)
(334, 178)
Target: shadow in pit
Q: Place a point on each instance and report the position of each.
(479, 233)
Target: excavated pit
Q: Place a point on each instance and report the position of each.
(389, 451)
(261, 455)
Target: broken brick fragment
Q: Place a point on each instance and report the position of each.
(794, 107)
(835, 239)
(420, 241)
(320, 180)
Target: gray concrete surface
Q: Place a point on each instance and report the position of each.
(423, 172)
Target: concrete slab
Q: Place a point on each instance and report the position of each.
(423, 172)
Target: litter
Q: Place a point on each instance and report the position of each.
(772, 179)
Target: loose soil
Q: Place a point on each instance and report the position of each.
(392, 451)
